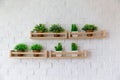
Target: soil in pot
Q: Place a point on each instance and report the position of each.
(89, 35)
(36, 55)
(20, 55)
(56, 35)
(39, 35)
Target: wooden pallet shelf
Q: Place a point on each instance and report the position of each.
(29, 54)
(64, 55)
(83, 35)
(68, 35)
(48, 35)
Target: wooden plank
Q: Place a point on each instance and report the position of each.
(28, 52)
(30, 57)
(83, 35)
(50, 33)
(81, 54)
(43, 54)
(48, 37)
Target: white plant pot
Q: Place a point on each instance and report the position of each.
(74, 53)
(59, 55)
(74, 35)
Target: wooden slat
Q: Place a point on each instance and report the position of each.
(83, 35)
(48, 37)
(27, 54)
(30, 57)
(81, 54)
(49, 33)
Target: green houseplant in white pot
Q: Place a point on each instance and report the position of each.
(36, 48)
(74, 29)
(74, 48)
(59, 49)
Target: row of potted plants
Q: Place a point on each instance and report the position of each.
(38, 48)
(57, 28)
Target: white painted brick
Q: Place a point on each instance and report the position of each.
(17, 19)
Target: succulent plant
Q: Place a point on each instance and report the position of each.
(56, 28)
(36, 47)
(40, 28)
(59, 47)
(74, 27)
(89, 27)
(21, 47)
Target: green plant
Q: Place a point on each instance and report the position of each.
(36, 47)
(89, 27)
(74, 27)
(56, 28)
(40, 28)
(21, 47)
(74, 47)
(58, 47)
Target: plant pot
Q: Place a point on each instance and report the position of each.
(89, 35)
(74, 35)
(59, 55)
(20, 55)
(11, 53)
(36, 55)
(74, 53)
(39, 35)
(56, 35)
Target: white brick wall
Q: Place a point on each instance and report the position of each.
(18, 17)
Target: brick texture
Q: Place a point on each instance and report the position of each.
(18, 17)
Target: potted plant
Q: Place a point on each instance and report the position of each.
(74, 48)
(56, 28)
(74, 29)
(36, 48)
(40, 28)
(89, 28)
(21, 48)
(59, 49)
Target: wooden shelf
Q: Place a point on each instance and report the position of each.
(64, 55)
(52, 55)
(48, 35)
(69, 35)
(42, 54)
(83, 35)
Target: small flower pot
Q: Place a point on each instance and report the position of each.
(40, 35)
(20, 55)
(12, 54)
(74, 53)
(56, 35)
(59, 55)
(89, 35)
(36, 55)
(74, 35)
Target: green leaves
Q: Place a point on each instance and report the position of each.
(56, 28)
(74, 27)
(36, 47)
(21, 47)
(89, 27)
(40, 28)
(59, 47)
(74, 47)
